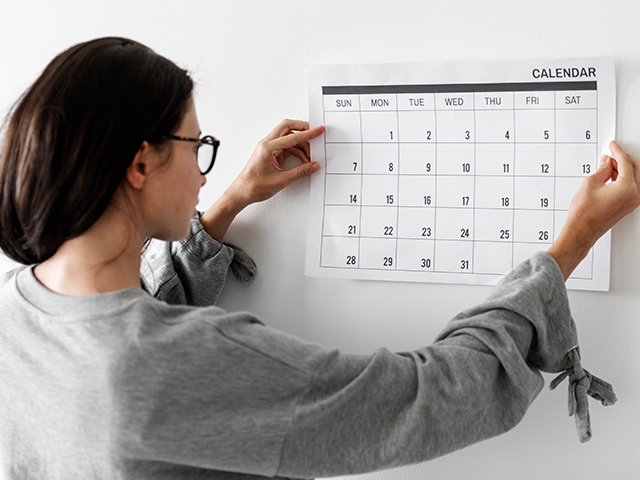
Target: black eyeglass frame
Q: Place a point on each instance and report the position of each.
(209, 140)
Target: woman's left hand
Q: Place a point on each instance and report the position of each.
(263, 176)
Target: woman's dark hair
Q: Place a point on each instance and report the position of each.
(72, 135)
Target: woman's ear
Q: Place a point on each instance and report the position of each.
(140, 167)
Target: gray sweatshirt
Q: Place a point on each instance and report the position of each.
(123, 385)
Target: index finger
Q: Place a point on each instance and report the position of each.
(627, 165)
(285, 126)
(294, 138)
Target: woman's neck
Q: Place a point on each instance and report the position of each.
(105, 258)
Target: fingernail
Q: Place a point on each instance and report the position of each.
(315, 166)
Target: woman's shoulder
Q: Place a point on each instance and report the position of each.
(9, 274)
(208, 332)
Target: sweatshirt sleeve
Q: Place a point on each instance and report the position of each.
(475, 382)
(193, 271)
(224, 392)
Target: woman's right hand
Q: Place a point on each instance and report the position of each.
(597, 206)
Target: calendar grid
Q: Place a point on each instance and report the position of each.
(374, 169)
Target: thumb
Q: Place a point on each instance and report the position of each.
(301, 171)
(605, 171)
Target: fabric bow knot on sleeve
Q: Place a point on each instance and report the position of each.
(535, 292)
(581, 384)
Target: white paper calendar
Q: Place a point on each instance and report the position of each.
(453, 172)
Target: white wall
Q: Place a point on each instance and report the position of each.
(249, 57)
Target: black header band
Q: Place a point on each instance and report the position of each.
(458, 88)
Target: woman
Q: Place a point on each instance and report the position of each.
(101, 380)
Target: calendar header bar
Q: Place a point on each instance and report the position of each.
(459, 87)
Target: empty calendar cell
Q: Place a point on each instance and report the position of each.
(379, 222)
(379, 127)
(522, 251)
(453, 257)
(416, 255)
(342, 127)
(416, 223)
(454, 224)
(585, 268)
(416, 191)
(535, 193)
(343, 189)
(495, 159)
(339, 252)
(341, 221)
(492, 258)
(380, 158)
(532, 226)
(494, 126)
(566, 187)
(455, 126)
(576, 126)
(380, 190)
(417, 126)
(455, 159)
(417, 159)
(535, 159)
(494, 192)
(378, 253)
(576, 159)
(455, 192)
(492, 226)
(535, 126)
(344, 158)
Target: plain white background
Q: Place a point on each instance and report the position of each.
(249, 57)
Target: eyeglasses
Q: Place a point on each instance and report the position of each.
(205, 153)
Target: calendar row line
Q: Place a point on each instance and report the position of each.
(433, 206)
(539, 126)
(451, 191)
(415, 159)
(445, 257)
(508, 175)
(466, 225)
(503, 235)
(484, 142)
